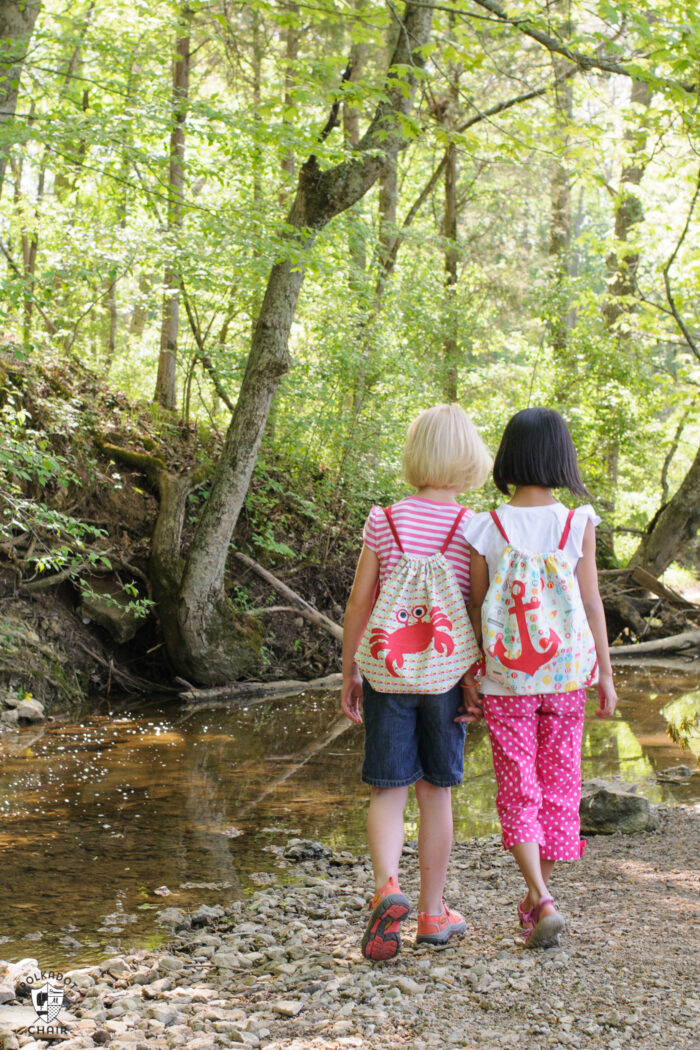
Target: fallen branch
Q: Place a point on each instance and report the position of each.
(687, 642)
(247, 692)
(304, 607)
(646, 580)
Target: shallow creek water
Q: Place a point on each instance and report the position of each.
(98, 817)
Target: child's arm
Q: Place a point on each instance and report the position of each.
(478, 586)
(357, 613)
(587, 575)
(471, 707)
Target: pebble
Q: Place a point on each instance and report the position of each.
(287, 1007)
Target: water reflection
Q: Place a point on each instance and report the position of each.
(97, 817)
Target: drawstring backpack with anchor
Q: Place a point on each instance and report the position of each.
(536, 636)
(419, 638)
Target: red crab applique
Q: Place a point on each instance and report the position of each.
(413, 636)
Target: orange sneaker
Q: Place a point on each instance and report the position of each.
(382, 938)
(437, 929)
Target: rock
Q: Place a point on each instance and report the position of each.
(606, 812)
(8, 1039)
(226, 960)
(13, 973)
(30, 710)
(288, 1007)
(156, 989)
(116, 967)
(206, 915)
(174, 917)
(306, 849)
(110, 608)
(166, 1014)
(676, 774)
(409, 986)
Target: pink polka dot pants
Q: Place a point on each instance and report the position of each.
(536, 745)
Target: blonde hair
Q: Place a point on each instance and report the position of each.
(444, 450)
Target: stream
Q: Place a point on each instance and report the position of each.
(108, 821)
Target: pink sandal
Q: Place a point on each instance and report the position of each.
(524, 917)
(544, 931)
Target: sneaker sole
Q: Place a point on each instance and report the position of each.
(382, 938)
(546, 933)
(443, 937)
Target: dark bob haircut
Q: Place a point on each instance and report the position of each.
(536, 449)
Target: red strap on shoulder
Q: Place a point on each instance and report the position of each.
(392, 526)
(460, 514)
(567, 530)
(497, 522)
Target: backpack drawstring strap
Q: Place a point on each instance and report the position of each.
(567, 530)
(392, 526)
(497, 522)
(455, 525)
(564, 535)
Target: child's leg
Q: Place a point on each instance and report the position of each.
(512, 723)
(441, 746)
(513, 728)
(533, 869)
(559, 735)
(434, 843)
(391, 763)
(389, 907)
(385, 831)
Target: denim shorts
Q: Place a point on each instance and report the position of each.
(409, 737)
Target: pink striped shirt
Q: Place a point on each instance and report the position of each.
(422, 525)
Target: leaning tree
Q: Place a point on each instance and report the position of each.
(205, 638)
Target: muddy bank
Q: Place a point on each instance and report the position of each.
(283, 968)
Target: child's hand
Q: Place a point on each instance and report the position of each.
(351, 697)
(471, 707)
(607, 695)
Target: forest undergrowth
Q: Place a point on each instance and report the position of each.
(76, 524)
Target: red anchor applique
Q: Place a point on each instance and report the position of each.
(530, 659)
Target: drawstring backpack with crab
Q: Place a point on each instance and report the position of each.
(536, 636)
(419, 638)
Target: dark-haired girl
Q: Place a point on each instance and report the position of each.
(536, 736)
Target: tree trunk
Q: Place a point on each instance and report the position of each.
(291, 53)
(16, 26)
(321, 195)
(622, 263)
(622, 268)
(239, 638)
(449, 232)
(675, 524)
(165, 392)
(560, 223)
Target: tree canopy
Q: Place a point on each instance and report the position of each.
(310, 220)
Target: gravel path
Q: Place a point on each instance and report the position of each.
(282, 970)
